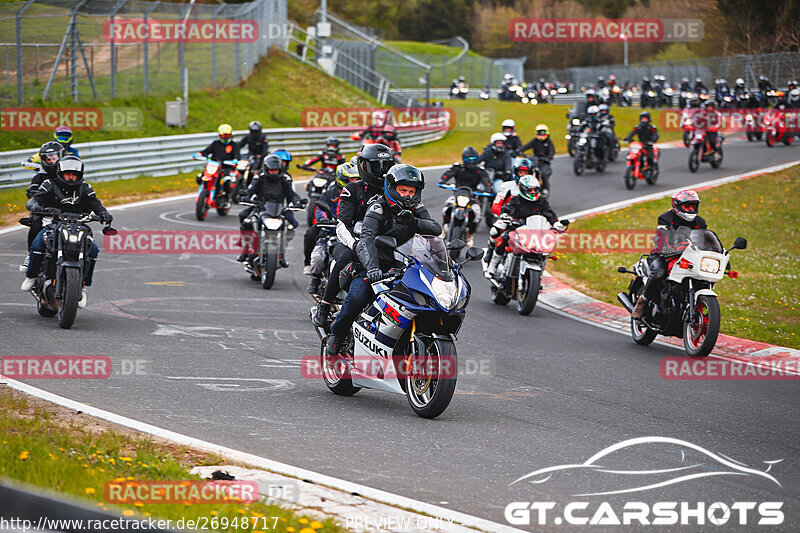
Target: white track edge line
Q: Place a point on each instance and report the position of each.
(268, 464)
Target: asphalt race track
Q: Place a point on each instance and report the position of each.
(221, 363)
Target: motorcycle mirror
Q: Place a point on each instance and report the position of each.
(564, 222)
(456, 244)
(108, 230)
(474, 253)
(386, 242)
(25, 221)
(740, 243)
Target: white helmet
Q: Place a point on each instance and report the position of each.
(593, 110)
(794, 94)
(508, 123)
(497, 137)
(739, 82)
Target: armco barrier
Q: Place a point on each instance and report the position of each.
(172, 154)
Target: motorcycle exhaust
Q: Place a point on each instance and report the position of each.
(625, 300)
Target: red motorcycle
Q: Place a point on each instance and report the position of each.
(702, 152)
(638, 169)
(687, 123)
(775, 129)
(208, 196)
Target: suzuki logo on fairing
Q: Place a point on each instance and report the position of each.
(369, 343)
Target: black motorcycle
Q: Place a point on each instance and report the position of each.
(573, 130)
(460, 211)
(591, 152)
(269, 223)
(68, 241)
(545, 171)
(315, 187)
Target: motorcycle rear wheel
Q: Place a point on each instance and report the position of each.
(45, 311)
(498, 297)
(438, 391)
(652, 177)
(716, 163)
(335, 373)
(699, 338)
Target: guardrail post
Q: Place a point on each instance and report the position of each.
(19, 50)
(147, 48)
(214, 45)
(112, 43)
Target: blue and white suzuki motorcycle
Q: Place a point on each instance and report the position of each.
(404, 342)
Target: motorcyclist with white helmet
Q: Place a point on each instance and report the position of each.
(495, 156)
(513, 142)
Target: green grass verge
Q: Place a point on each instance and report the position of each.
(277, 92)
(43, 446)
(763, 304)
(527, 116)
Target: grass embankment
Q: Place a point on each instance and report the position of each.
(277, 92)
(55, 449)
(763, 304)
(527, 116)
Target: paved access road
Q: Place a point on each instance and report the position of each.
(221, 361)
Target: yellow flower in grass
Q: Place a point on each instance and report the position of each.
(316, 524)
(290, 529)
(213, 513)
(303, 520)
(127, 512)
(307, 530)
(138, 504)
(89, 490)
(24, 455)
(126, 459)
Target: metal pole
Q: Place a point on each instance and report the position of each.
(181, 50)
(73, 67)
(428, 87)
(89, 72)
(147, 50)
(19, 49)
(214, 45)
(625, 47)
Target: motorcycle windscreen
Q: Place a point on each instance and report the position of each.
(706, 240)
(273, 209)
(431, 253)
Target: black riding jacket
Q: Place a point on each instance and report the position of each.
(541, 149)
(648, 134)
(521, 208)
(466, 177)
(81, 200)
(257, 144)
(279, 189)
(219, 151)
(381, 219)
(500, 161)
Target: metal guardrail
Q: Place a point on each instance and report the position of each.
(171, 154)
(443, 95)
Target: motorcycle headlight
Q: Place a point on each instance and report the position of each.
(241, 165)
(445, 292)
(710, 265)
(273, 223)
(568, 136)
(576, 121)
(320, 182)
(748, 117)
(462, 201)
(582, 140)
(524, 99)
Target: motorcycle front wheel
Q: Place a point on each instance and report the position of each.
(528, 291)
(694, 159)
(71, 294)
(577, 165)
(700, 337)
(429, 393)
(268, 269)
(201, 205)
(630, 180)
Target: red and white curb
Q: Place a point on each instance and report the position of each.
(559, 296)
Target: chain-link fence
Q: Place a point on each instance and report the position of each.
(85, 49)
(779, 68)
